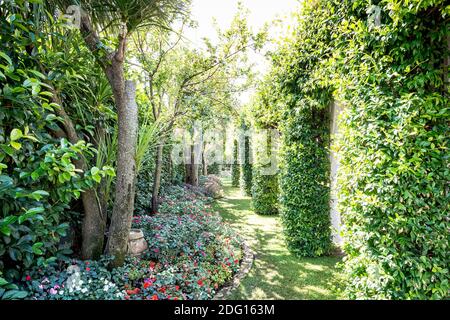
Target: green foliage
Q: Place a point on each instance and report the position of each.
(235, 167)
(246, 167)
(10, 291)
(304, 125)
(394, 150)
(265, 188)
(38, 178)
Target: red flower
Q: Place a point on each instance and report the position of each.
(86, 262)
(131, 292)
(155, 297)
(236, 261)
(28, 278)
(177, 288)
(152, 264)
(200, 282)
(127, 297)
(88, 269)
(147, 284)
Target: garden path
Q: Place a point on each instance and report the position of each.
(276, 273)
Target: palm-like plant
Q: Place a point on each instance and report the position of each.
(119, 19)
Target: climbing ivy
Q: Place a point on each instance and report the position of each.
(384, 63)
(304, 125)
(393, 146)
(265, 178)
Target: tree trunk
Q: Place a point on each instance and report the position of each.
(124, 93)
(187, 163)
(193, 168)
(94, 220)
(157, 177)
(204, 162)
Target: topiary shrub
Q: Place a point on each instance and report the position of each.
(305, 130)
(246, 168)
(235, 167)
(265, 180)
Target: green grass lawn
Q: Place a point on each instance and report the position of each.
(276, 273)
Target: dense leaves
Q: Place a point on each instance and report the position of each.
(304, 156)
(235, 167)
(394, 150)
(38, 177)
(265, 188)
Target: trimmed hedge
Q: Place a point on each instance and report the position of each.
(246, 168)
(265, 189)
(305, 128)
(235, 167)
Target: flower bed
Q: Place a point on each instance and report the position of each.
(191, 255)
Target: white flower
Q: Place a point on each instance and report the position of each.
(84, 290)
(61, 292)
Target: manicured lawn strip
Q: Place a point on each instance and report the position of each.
(276, 273)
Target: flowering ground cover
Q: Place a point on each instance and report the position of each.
(191, 255)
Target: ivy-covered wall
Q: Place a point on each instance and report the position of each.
(386, 62)
(394, 152)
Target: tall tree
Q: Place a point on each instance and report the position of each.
(120, 18)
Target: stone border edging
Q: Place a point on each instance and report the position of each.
(246, 265)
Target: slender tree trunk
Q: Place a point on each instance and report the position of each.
(187, 164)
(193, 167)
(204, 162)
(94, 220)
(126, 165)
(157, 177)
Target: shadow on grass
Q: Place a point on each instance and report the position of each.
(276, 273)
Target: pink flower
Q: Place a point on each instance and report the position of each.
(28, 278)
(53, 291)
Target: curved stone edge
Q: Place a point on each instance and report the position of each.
(245, 267)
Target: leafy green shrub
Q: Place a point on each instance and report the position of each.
(10, 291)
(265, 189)
(38, 178)
(246, 168)
(235, 167)
(394, 151)
(305, 131)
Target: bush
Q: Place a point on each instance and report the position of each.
(305, 131)
(246, 168)
(265, 182)
(235, 167)
(38, 178)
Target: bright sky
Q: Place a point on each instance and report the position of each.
(261, 11)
